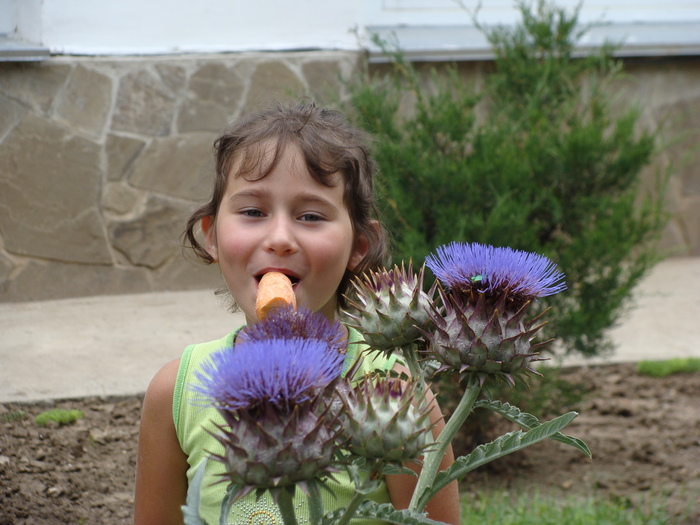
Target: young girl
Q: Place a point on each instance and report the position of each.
(293, 193)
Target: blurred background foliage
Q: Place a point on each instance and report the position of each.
(539, 157)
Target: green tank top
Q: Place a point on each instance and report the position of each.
(191, 424)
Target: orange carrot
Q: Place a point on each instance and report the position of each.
(274, 291)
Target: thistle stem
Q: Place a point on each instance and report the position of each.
(349, 512)
(315, 503)
(411, 356)
(432, 459)
(286, 506)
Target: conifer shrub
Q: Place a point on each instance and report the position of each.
(540, 158)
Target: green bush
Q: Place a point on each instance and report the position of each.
(536, 160)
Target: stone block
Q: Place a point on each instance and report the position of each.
(214, 99)
(6, 267)
(323, 79)
(179, 166)
(683, 128)
(184, 273)
(144, 105)
(86, 102)
(121, 152)
(120, 199)
(174, 77)
(49, 194)
(153, 237)
(35, 84)
(11, 114)
(689, 216)
(42, 280)
(273, 80)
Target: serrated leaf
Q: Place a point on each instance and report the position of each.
(357, 475)
(499, 447)
(392, 469)
(190, 511)
(387, 513)
(528, 422)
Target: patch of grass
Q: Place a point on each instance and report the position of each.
(669, 366)
(16, 415)
(60, 416)
(504, 508)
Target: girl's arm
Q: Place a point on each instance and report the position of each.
(161, 466)
(445, 504)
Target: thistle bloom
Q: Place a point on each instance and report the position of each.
(382, 422)
(288, 323)
(391, 308)
(489, 291)
(274, 396)
(477, 268)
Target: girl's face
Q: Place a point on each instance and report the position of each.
(286, 222)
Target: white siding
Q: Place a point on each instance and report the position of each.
(444, 29)
(428, 29)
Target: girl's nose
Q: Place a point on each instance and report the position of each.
(280, 238)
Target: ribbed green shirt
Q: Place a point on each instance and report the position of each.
(192, 421)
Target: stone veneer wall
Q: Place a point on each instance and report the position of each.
(102, 159)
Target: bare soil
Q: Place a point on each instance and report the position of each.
(644, 433)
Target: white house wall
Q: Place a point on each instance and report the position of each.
(172, 26)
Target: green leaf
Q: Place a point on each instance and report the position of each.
(528, 422)
(391, 469)
(358, 476)
(501, 446)
(190, 511)
(385, 512)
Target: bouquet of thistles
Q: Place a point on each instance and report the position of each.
(296, 416)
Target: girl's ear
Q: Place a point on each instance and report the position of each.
(209, 230)
(360, 249)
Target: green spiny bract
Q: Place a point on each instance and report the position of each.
(391, 308)
(484, 336)
(382, 422)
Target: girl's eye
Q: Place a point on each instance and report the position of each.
(252, 213)
(311, 217)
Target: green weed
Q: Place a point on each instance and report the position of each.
(669, 366)
(16, 415)
(504, 508)
(60, 416)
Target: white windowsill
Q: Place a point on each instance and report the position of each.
(12, 50)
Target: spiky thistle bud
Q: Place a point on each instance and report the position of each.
(489, 290)
(391, 309)
(382, 422)
(274, 396)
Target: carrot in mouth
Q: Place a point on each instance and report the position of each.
(274, 291)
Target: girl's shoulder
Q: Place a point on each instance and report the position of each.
(163, 382)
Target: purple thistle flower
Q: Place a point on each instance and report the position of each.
(288, 323)
(276, 398)
(282, 372)
(489, 291)
(473, 267)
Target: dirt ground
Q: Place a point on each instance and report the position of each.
(644, 434)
